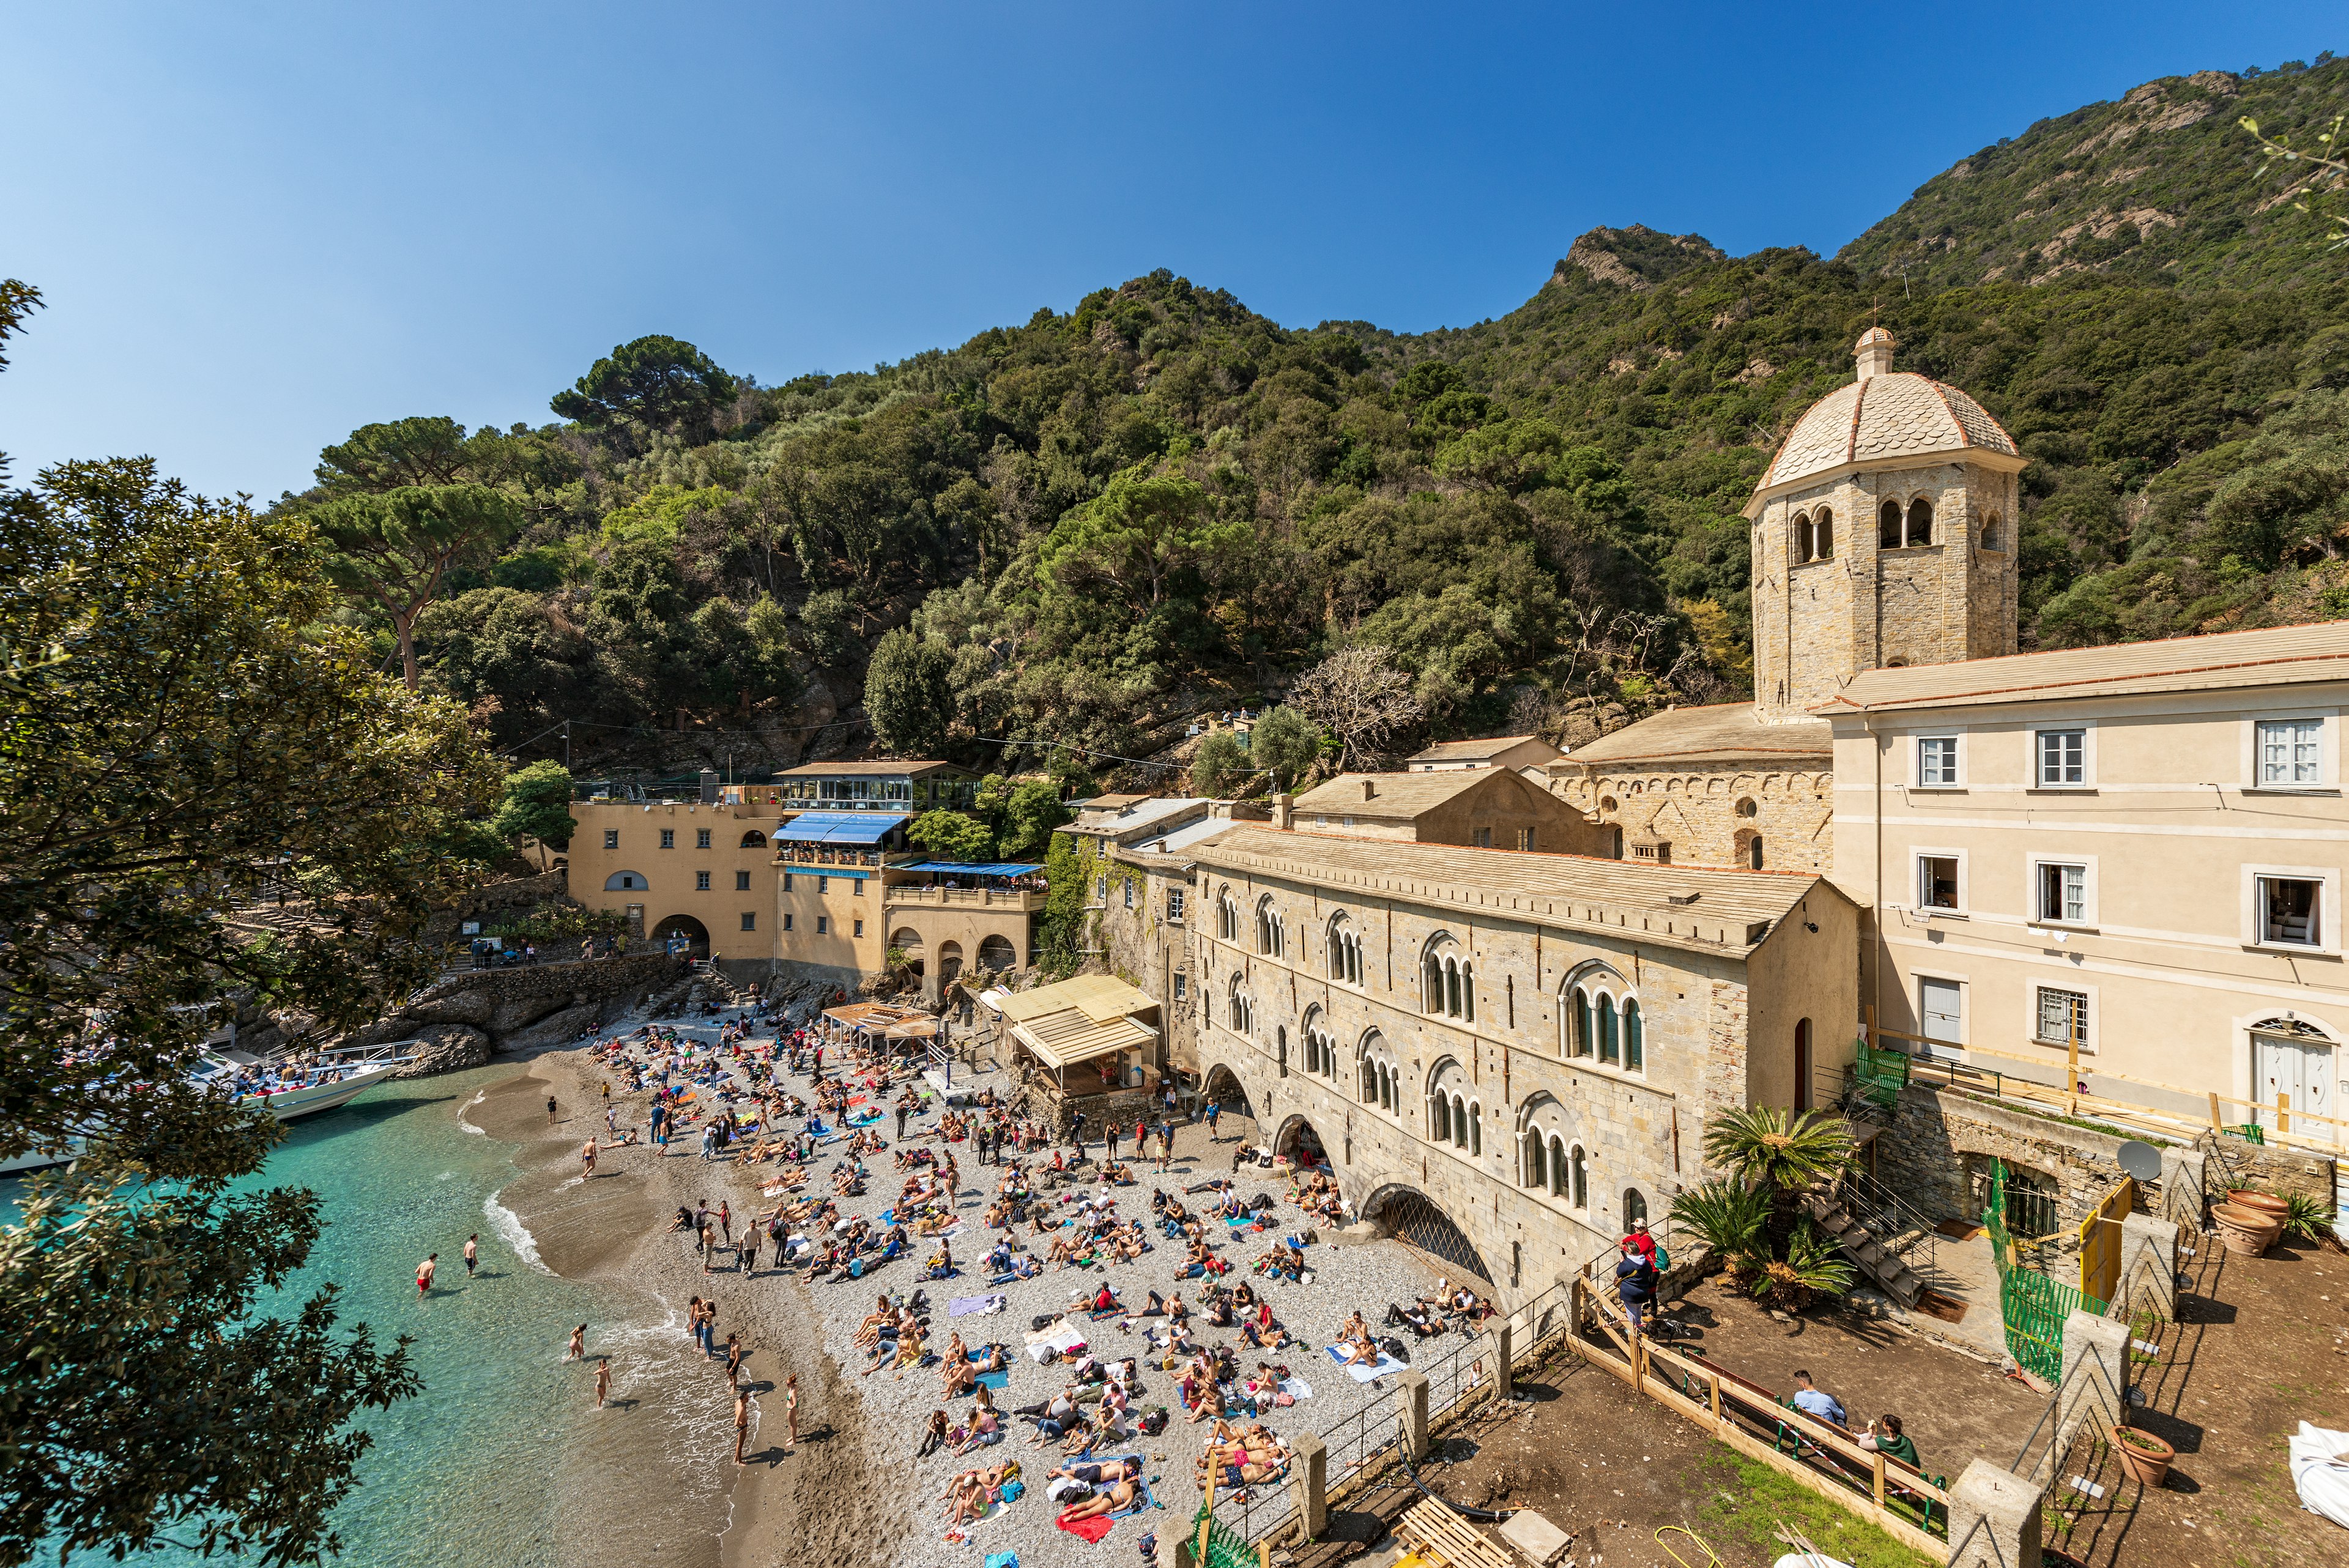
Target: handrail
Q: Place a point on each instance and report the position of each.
(1894, 1213)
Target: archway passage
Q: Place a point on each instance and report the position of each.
(906, 940)
(1224, 1088)
(997, 954)
(1301, 1144)
(1413, 1219)
(949, 962)
(683, 934)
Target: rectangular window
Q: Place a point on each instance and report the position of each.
(668, 838)
(2063, 1017)
(702, 838)
(2291, 911)
(1180, 986)
(1129, 894)
(1941, 1006)
(823, 884)
(856, 885)
(860, 928)
(1173, 903)
(787, 881)
(1937, 881)
(2063, 893)
(741, 881)
(1526, 838)
(1484, 837)
(611, 838)
(787, 922)
(823, 924)
(2063, 758)
(2291, 752)
(750, 921)
(1937, 761)
(702, 881)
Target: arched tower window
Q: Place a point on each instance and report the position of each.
(1921, 521)
(1990, 536)
(1635, 1207)
(1822, 534)
(1753, 852)
(1635, 1036)
(1802, 540)
(1888, 526)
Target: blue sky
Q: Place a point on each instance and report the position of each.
(260, 225)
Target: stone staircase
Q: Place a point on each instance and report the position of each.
(1879, 1258)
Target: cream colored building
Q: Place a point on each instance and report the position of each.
(2137, 852)
(701, 871)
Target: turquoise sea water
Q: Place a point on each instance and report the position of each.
(460, 1474)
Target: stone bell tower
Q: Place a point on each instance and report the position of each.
(1883, 534)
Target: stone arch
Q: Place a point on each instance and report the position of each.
(753, 839)
(1447, 972)
(1420, 1223)
(1590, 998)
(1222, 1086)
(949, 962)
(1271, 929)
(685, 927)
(1378, 1073)
(1298, 1134)
(996, 953)
(625, 882)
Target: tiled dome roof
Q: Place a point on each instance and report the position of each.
(1897, 414)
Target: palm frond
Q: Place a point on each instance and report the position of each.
(1728, 1217)
(1764, 1145)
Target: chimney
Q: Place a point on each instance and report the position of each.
(709, 786)
(1370, 789)
(1282, 812)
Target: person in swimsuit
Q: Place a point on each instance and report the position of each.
(587, 1159)
(578, 1350)
(472, 1252)
(742, 1422)
(424, 1275)
(791, 1412)
(550, 1110)
(603, 1380)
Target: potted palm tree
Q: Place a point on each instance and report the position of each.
(1752, 1218)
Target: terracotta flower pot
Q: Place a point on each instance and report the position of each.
(2144, 1456)
(2244, 1219)
(2264, 1202)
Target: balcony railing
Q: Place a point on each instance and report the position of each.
(966, 898)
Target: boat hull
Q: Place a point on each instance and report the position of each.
(288, 1107)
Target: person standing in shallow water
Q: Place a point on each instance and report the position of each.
(790, 1412)
(603, 1380)
(578, 1349)
(472, 1252)
(742, 1422)
(424, 1275)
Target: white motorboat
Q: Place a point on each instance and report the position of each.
(285, 1093)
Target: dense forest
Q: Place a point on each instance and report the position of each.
(1087, 530)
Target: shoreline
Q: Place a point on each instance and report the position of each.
(634, 1492)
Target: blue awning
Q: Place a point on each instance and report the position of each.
(838, 828)
(972, 868)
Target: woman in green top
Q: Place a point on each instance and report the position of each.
(1885, 1434)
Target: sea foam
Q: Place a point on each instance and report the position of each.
(508, 1224)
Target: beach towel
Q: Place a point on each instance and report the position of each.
(976, 1306)
(1087, 1530)
(1001, 1560)
(1364, 1373)
(2320, 1471)
(997, 1381)
(1065, 1340)
(1297, 1388)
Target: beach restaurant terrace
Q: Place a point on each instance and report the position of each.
(837, 838)
(1094, 1034)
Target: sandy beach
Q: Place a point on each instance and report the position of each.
(652, 1477)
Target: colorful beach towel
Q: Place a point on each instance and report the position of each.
(976, 1306)
(1087, 1530)
(1359, 1373)
(1001, 1560)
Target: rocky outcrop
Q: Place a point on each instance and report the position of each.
(474, 1015)
(445, 1048)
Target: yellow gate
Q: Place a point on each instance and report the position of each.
(2100, 1240)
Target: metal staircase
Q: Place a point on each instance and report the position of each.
(1890, 1241)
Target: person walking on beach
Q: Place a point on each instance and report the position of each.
(578, 1349)
(550, 1110)
(726, 1221)
(472, 1252)
(1214, 1111)
(747, 1254)
(424, 1275)
(603, 1380)
(742, 1422)
(790, 1412)
(709, 1244)
(588, 1158)
(733, 1361)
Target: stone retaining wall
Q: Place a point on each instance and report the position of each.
(466, 1019)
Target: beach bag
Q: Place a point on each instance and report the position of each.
(1040, 1323)
(1012, 1491)
(1154, 1421)
(1394, 1347)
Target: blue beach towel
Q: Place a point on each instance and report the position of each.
(996, 1380)
(1001, 1560)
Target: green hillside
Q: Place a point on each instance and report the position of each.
(1092, 526)
(2161, 187)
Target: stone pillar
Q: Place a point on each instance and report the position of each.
(1177, 1545)
(1308, 1474)
(1994, 1519)
(2096, 1371)
(2149, 1263)
(1411, 1394)
(2182, 1176)
(1503, 1347)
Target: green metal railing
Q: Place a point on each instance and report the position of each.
(1225, 1547)
(2032, 1306)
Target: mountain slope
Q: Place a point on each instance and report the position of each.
(2164, 185)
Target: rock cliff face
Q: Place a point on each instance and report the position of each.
(471, 1016)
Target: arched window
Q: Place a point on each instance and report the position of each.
(1450, 988)
(1822, 534)
(1635, 1207)
(1450, 1114)
(1921, 521)
(754, 840)
(1381, 1078)
(1439, 1118)
(1227, 917)
(1241, 1010)
(1468, 992)
(1268, 932)
(1802, 539)
(1610, 1049)
(1753, 852)
(1475, 1129)
(1635, 1042)
(1989, 532)
(1345, 950)
(1579, 1167)
(1434, 986)
(1280, 1047)
(1888, 526)
(1537, 1170)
